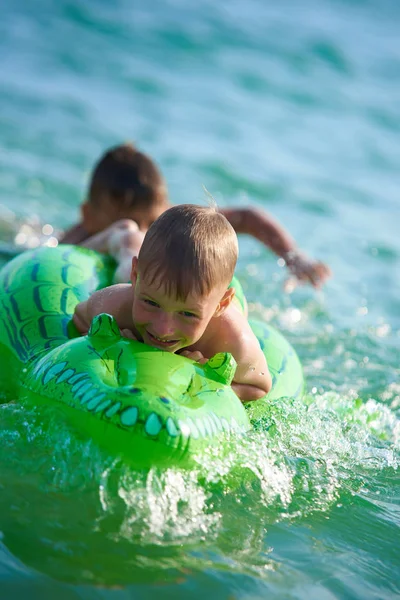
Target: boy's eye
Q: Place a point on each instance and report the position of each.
(186, 313)
(150, 302)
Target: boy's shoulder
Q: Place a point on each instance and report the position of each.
(233, 325)
(226, 333)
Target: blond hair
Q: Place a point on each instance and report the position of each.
(189, 249)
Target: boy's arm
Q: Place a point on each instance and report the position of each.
(115, 300)
(122, 240)
(81, 317)
(74, 235)
(252, 378)
(267, 230)
(232, 333)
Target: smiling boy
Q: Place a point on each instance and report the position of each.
(179, 299)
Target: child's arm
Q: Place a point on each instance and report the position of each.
(121, 240)
(74, 235)
(252, 378)
(115, 300)
(81, 317)
(267, 230)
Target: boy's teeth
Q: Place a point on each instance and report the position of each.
(160, 340)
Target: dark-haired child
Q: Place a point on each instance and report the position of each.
(126, 185)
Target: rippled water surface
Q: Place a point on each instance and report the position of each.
(294, 108)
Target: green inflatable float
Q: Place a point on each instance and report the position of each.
(152, 407)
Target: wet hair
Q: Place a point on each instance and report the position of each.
(189, 249)
(129, 178)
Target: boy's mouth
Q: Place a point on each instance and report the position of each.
(161, 343)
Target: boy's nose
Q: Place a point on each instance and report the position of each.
(165, 326)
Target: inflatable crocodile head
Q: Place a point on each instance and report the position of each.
(149, 405)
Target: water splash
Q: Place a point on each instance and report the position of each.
(83, 507)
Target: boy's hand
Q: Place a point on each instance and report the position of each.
(305, 270)
(195, 355)
(127, 333)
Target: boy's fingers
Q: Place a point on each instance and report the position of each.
(127, 334)
(320, 274)
(315, 273)
(196, 355)
(291, 284)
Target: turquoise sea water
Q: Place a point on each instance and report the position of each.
(294, 107)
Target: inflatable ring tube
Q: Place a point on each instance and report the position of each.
(151, 406)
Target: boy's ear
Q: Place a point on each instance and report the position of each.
(134, 272)
(225, 302)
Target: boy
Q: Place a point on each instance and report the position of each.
(126, 184)
(179, 300)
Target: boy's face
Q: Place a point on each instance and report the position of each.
(96, 218)
(168, 323)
